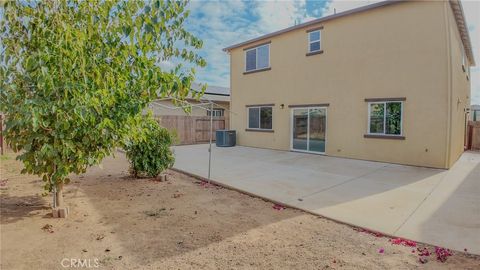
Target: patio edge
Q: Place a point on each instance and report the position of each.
(388, 235)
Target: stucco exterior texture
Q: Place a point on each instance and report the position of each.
(410, 50)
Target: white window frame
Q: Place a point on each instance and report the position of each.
(385, 117)
(256, 58)
(216, 112)
(259, 117)
(308, 129)
(319, 40)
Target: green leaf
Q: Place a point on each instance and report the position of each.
(78, 79)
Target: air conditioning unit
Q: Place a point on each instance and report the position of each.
(226, 138)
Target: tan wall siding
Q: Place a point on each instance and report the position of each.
(460, 91)
(393, 51)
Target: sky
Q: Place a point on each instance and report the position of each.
(223, 23)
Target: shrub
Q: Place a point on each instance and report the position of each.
(148, 149)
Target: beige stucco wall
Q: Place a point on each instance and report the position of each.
(459, 89)
(398, 50)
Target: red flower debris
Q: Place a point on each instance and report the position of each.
(423, 252)
(442, 254)
(376, 234)
(403, 242)
(278, 207)
(381, 250)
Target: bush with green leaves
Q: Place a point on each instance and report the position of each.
(73, 73)
(149, 149)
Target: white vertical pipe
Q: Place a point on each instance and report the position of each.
(210, 146)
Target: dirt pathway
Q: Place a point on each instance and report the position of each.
(121, 223)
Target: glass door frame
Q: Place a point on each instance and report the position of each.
(308, 128)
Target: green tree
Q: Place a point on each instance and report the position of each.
(74, 73)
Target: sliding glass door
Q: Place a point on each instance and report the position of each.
(309, 129)
(300, 129)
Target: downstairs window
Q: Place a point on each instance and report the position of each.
(385, 118)
(260, 118)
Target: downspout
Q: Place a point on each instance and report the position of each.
(231, 114)
(449, 86)
(230, 88)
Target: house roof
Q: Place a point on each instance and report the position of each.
(455, 4)
(212, 90)
(212, 93)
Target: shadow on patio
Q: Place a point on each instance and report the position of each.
(451, 216)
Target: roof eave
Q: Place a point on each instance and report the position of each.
(463, 29)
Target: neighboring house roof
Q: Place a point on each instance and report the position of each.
(213, 93)
(455, 4)
(215, 97)
(212, 89)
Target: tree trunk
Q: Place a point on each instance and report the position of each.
(59, 195)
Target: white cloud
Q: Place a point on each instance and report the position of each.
(220, 24)
(225, 23)
(342, 5)
(215, 23)
(276, 15)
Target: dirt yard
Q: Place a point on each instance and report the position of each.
(117, 222)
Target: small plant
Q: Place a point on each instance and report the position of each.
(148, 149)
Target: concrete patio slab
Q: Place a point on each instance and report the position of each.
(434, 206)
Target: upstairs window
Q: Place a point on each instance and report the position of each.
(314, 41)
(385, 118)
(257, 58)
(260, 118)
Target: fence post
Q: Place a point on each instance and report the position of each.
(469, 136)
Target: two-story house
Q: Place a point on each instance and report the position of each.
(385, 82)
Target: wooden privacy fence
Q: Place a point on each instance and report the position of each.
(473, 135)
(191, 129)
